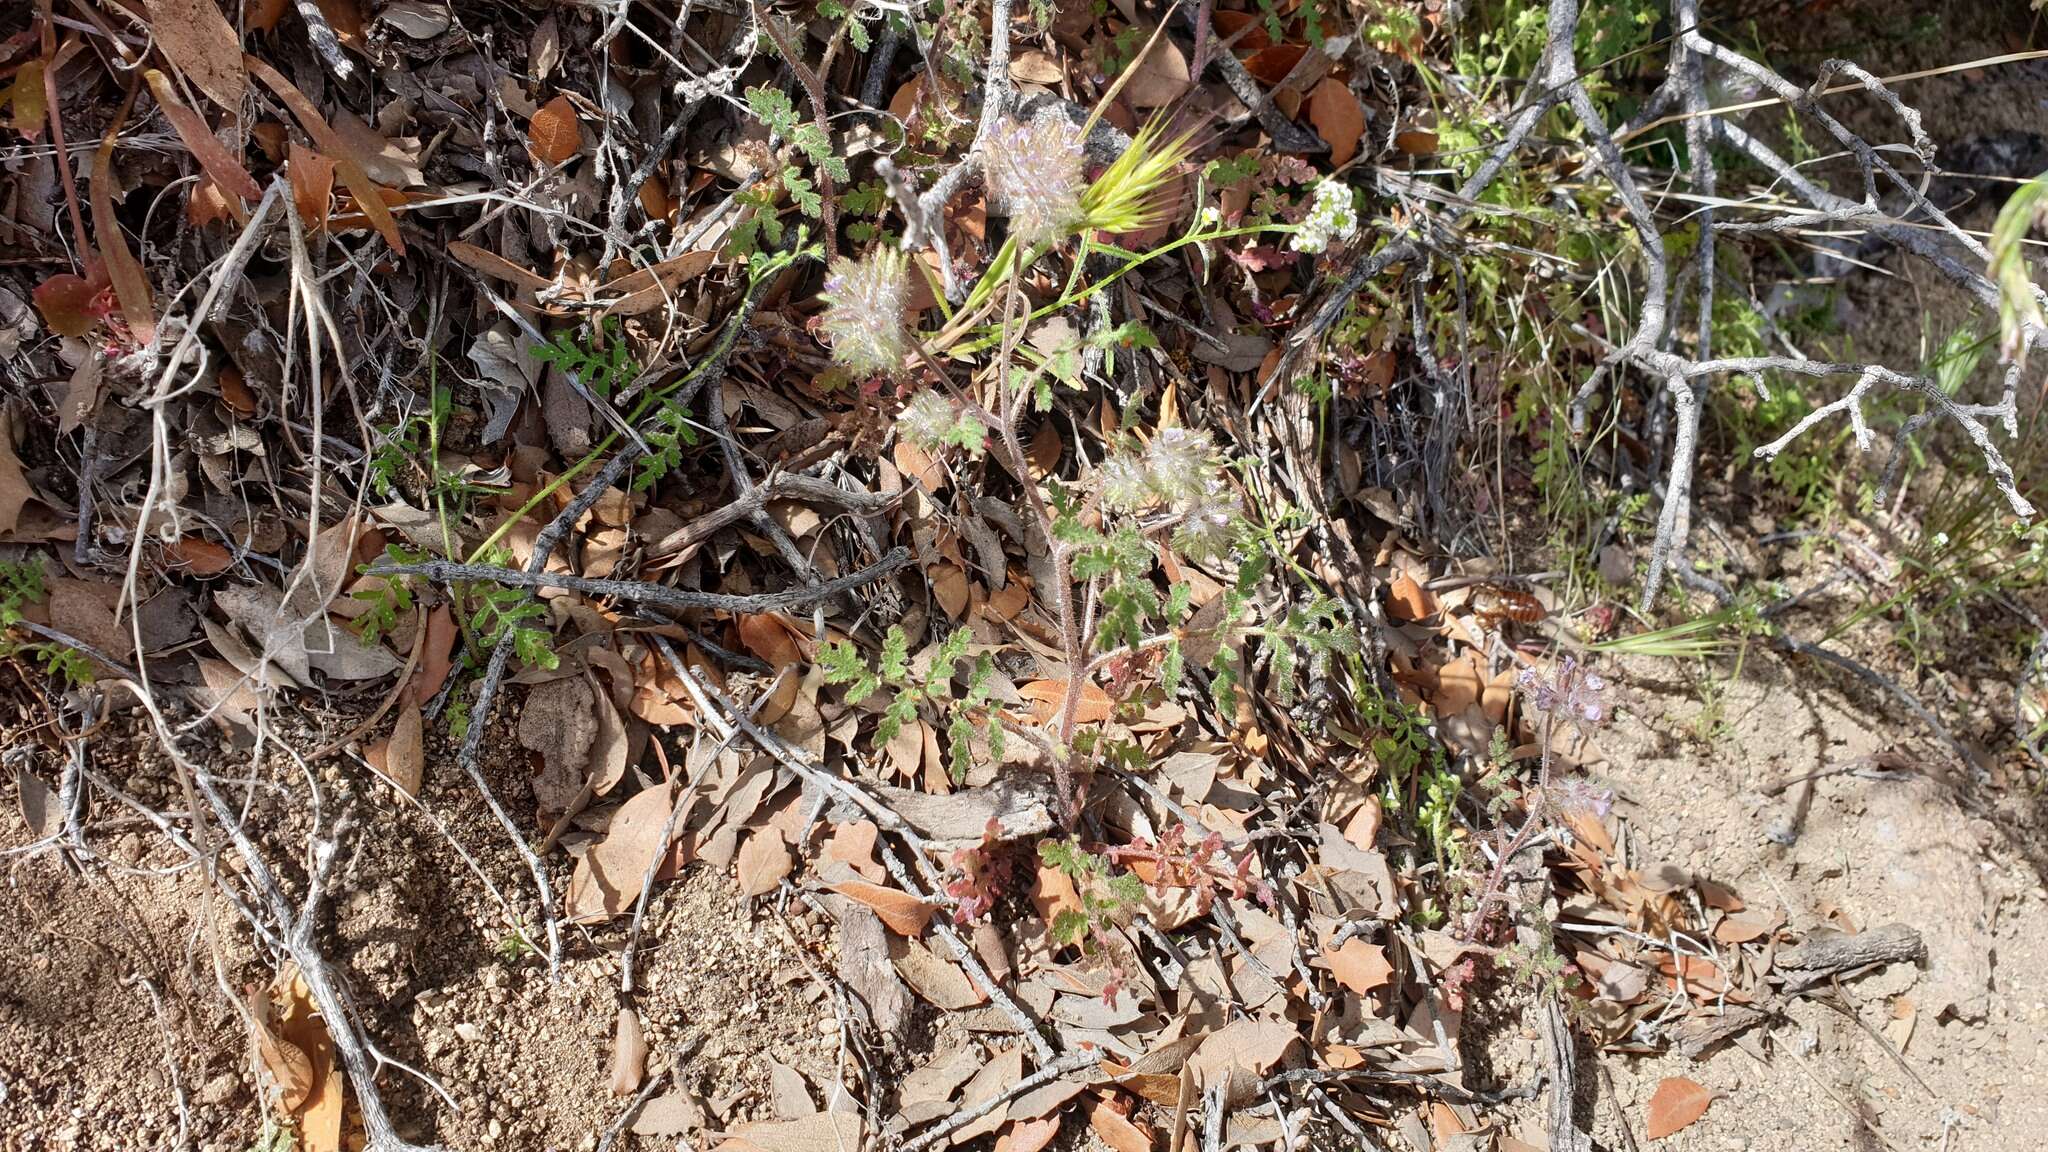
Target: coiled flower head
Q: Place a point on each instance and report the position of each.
(865, 302)
(1182, 466)
(1126, 487)
(1035, 178)
(1211, 524)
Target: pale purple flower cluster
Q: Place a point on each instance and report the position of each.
(1181, 470)
(865, 302)
(1035, 178)
(1573, 692)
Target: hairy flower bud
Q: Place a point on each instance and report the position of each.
(1211, 524)
(865, 302)
(1035, 178)
(926, 420)
(1182, 466)
(1125, 485)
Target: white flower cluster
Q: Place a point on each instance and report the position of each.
(865, 302)
(1331, 215)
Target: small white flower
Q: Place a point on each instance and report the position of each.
(865, 302)
(1941, 539)
(1210, 525)
(1331, 215)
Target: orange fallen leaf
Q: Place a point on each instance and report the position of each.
(1048, 697)
(1407, 599)
(368, 197)
(1359, 966)
(1117, 1131)
(200, 556)
(1334, 111)
(554, 134)
(903, 913)
(1676, 1103)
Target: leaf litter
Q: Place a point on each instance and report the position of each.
(1182, 876)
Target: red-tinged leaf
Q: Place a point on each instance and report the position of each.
(200, 556)
(206, 48)
(263, 15)
(903, 913)
(213, 156)
(369, 200)
(554, 134)
(1676, 1103)
(312, 178)
(26, 99)
(131, 283)
(1415, 141)
(1117, 1131)
(1245, 30)
(1028, 1135)
(69, 303)
(1271, 65)
(1338, 118)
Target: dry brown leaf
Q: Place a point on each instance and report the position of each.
(609, 746)
(1029, 1135)
(1002, 1070)
(435, 653)
(853, 844)
(1407, 599)
(765, 636)
(312, 180)
(653, 287)
(1117, 1130)
(949, 587)
(903, 913)
(820, 1132)
(1253, 1044)
(1359, 966)
(1338, 119)
(672, 1114)
(1030, 66)
(1676, 1103)
(300, 1030)
(14, 489)
(1048, 697)
(560, 723)
(199, 556)
(763, 861)
(608, 877)
(938, 980)
(37, 809)
(554, 134)
(1271, 65)
(402, 755)
(369, 199)
(206, 48)
(213, 156)
(629, 1054)
(1160, 77)
(131, 283)
(1415, 141)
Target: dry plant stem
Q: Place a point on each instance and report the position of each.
(325, 42)
(156, 1004)
(1054, 1069)
(1538, 814)
(641, 592)
(654, 1084)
